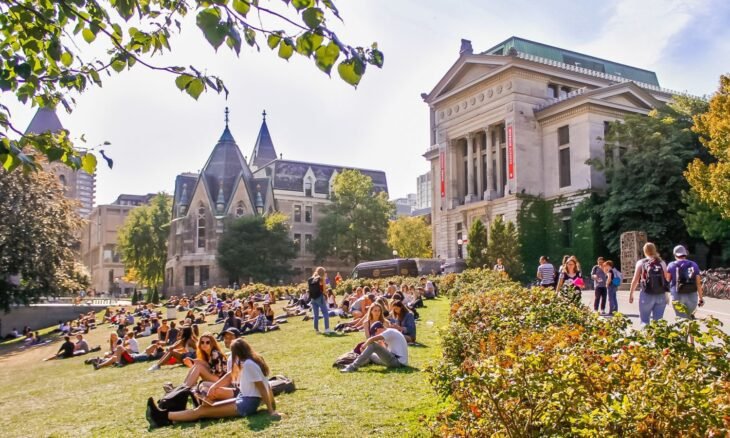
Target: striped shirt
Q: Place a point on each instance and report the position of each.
(546, 273)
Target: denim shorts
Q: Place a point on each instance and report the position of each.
(247, 405)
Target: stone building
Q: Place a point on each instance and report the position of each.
(523, 117)
(99, 244)
(78, 185)
(230, 186)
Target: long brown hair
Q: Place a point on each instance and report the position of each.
(241, 351)
(214, 346)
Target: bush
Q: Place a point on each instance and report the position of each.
(521, 362)
(349, 285)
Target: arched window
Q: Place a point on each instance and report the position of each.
(201, 227)
(240, 210)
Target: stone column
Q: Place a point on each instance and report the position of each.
(470, 197)
(480, 178)
(489, 194)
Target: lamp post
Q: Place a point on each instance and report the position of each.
(395, 254)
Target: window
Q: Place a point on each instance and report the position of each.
(504, 168)
(308, 188)
(240, 210)
(298, 242)
(189, 275)
(201, 232)
(563, 135)
(552, 91)
(204, 275)
(567, 227)
(297, 213)
(308, 214)
(564, 154)
(307, 243)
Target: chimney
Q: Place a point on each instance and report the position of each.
(465, 47)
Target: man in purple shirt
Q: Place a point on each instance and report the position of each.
(685, 283)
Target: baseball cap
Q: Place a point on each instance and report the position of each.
(234, 331)
(376, 326)
(680, 251)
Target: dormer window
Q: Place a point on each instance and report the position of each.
(201, 227)
(308, 187)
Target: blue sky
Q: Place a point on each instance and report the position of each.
(157, 132)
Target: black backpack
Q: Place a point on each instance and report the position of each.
(177, 399)
(686, 277)
(314, 288)
(653, 280)
(281, 385)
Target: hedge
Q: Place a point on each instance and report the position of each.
(524, 362)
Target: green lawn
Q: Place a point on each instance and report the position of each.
(68, 398)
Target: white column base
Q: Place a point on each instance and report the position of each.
(470, 198)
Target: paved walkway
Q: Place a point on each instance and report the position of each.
(720, 309)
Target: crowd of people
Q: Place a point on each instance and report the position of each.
(659, 284)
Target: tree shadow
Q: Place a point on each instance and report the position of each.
(418, 345)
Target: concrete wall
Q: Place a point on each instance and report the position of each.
(39, 316)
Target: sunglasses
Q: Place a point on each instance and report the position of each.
(205, 342)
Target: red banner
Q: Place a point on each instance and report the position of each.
(442, 164)
(510, 153)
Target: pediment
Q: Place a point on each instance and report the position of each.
(468, 69)
(627, 94)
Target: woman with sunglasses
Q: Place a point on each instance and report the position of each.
(209, 364)
(250, 371)
(570, 281)
(186, 346)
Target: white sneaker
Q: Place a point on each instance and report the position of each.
(154, 367)
(328, 332)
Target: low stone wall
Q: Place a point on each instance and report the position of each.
(38, 316)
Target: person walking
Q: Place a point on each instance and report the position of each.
(613, 281)
(570, 280)
(685, 283)
(546, 273)
(316, 295)
(599, 286)
(651, 277)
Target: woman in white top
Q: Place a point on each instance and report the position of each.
(652, 278)
(250, 370)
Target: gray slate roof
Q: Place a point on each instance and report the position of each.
(44, 120)
(289, 175)
(224, 168)
(263, 151)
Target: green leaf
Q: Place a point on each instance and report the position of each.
(118, 65)
(351, 71)
(182, 81)
(376, 57)
(273, 40)
(195, 88)
(88, 35)
(88, 163)
(208, 20)
(250, 36)
(286, 48)
(302, 4)
(313, 17)
(326, 56)
(241, 6)
(308, 42)
(66, 59)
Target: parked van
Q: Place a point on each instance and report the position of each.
(453, 266)
(386, 268)
(429, 266)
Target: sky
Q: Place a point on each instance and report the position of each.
(157, 132)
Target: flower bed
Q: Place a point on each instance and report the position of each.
(347, 286)
(521, 362)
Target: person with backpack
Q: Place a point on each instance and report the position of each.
(613, 281)
(651, 277)
(600, 290)
(316, 284)
(685, 283)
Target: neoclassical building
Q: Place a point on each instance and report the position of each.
(523, 117)
(230, 186)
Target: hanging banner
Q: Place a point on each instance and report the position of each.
(510, 153)
(442, 165)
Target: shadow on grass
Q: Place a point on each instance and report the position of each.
(257, 422)
(384, 370)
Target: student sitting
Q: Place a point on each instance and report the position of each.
(393, 355)
(66, 350)
(250, 370)
(184, 347)
(123, 354)
(209, 364)
(258, 324)
(404, 321)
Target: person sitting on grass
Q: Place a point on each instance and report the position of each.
(259, 323)
(184, 347)
(231, 322)
(172, 334)
(209, 364)
(393, 354)
(81, 346)
(123, 354)
(66, 350)
(225, 387)
(404, 321)
(250, 370)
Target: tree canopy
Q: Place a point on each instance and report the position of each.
(43, 60)
(258, 248)
(711, 180)
(142, 241)
(644, 165)
(476, 250)
(410, 236)
(504, 243)
(354, 226)
(39, 232)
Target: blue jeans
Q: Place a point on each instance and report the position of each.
(689, 300)
(247, 405)
(651, 306)
(612, 299)
(319, 305)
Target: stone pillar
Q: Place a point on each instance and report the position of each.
(470, 197)
(489, 193)
(500, 168)
(480, 178)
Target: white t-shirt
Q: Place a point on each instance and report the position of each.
(397, 344)
(251, 373)
(133, 345)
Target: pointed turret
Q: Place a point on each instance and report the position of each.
(263, 152)
(44, 120)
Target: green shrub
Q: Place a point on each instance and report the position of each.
(349, 285)
(519, 362)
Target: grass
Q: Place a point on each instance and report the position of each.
(68, 398)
